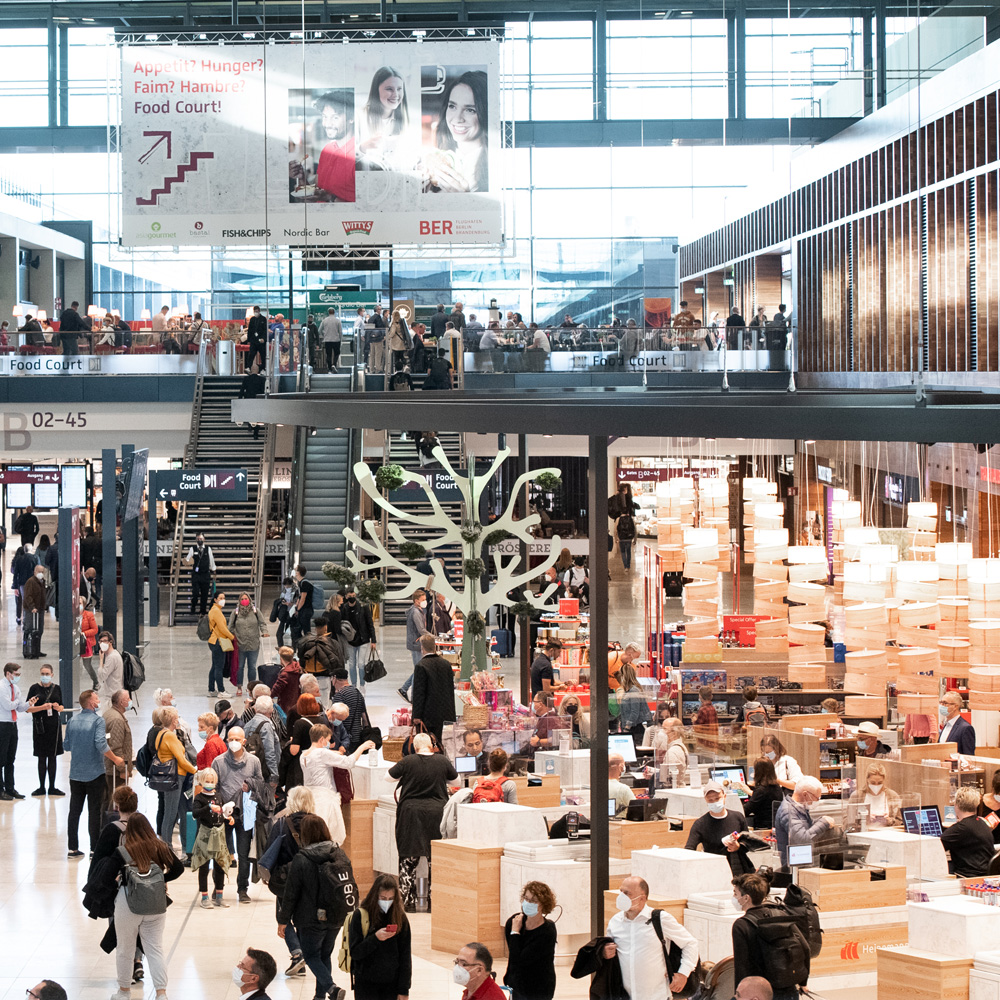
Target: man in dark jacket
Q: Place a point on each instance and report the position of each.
(70, 325)
(257, 339)
(257, 969)
(91, 557)
(320, 656)
(433, 689)
(359, 616)
(27, 526)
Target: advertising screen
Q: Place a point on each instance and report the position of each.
(360, 144)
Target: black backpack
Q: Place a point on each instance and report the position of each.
(799, 903)
(255, 745)
(336, 892)
(784, 944)
(625, 528)
(133, 672)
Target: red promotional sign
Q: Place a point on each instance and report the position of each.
(27, 477)
(745, 627)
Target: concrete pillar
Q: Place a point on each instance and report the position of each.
(42, 281)
(9, 292)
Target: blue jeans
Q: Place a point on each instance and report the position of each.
(317, 950)
(356, 662)
(291, 935)
(173, 809)
(248, 658)
(626, 549)
(218, 669)
(417, 655)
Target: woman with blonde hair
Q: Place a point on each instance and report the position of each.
(579, 719)
(633, 709)
(168, 747)
(210, 840)
(882, 802)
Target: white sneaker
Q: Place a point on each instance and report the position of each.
(121, 995)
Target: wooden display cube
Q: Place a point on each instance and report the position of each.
(624, 837)
(853, 889)
(465, 886)
(906, 973)
(358, 844)
(776, 644)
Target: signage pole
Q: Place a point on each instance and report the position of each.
(525, 626)
(109, 548)
(67, 604)
(153, 561)
(130, 574)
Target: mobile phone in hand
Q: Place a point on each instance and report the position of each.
(392, 928)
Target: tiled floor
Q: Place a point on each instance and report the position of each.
(47, 933)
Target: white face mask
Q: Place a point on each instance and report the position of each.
(235, 746)
(460, 976)
(736, 905)
(105, 646)
(875, 789)
(770, 755)
(385, 905)
(238, 976)
(717, 808)
(622, 902)
(222, 602)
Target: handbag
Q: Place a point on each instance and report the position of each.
(225, 644)
(408, 742)
(162, 775)
(369, 732)
(343, 783)
(374, 668)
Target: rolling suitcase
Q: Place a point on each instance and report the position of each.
(268, 673)
(32, 642)
(504, 641)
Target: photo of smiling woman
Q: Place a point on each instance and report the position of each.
(458, 117)
(384, 121)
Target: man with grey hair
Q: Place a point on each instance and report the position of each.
(954, 728)
(332, 333)
(793, 824)
(618, 791)
(617, 657)
(262, 727)
(119, 735)
(251, 710)
(969, 841)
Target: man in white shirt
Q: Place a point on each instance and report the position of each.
(11, 703)
(621, 793)
(159, 324)
(332, 333)
(640, 952)
(540, 342)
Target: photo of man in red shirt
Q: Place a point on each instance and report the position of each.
(335, 174)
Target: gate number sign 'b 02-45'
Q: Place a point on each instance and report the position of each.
(202, 485)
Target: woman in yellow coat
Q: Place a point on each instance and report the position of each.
(220, 642)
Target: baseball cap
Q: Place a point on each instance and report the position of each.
(713, 786)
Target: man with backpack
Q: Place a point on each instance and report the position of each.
(655, 953)
(770, 940)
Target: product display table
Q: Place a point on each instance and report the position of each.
(923, 856)
(494, 824)
(369, 782)
(956, 926)
(674, 873)
(465, 889)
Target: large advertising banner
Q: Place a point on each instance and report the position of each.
(360, 144)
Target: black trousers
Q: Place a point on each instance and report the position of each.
(93, 793)
(332, 354)
(199, 591)
(8, 751)
(257, 350)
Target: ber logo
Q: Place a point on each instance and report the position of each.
(436, 227)
(358, 227)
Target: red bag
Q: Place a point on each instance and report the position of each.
(344, 784)
(488, 791)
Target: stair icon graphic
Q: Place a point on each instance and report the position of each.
(168, 182)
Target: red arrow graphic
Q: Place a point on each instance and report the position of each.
(149, 152)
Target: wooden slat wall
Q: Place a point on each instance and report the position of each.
(874, 202)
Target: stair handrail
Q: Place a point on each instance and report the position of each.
(176, 560)
(265, 474)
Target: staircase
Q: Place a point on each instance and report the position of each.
(404, 453)
(323, 487)
(234, 531)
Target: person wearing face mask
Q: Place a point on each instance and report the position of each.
(210, 840)
(717, 831)
(882, 802)
(638, 946)
(531, 945)
(301, 613)
(670, 749)
(254, 973)
(46, 728)
(416, 627)
(357, 650)
(793, 823)
(220, 642)
(248, 626)
(378, 936)
(119, 734)
(88, 632)
(235, 769)
(473, 970)
(786, 767)
(750, 951)
(208, 730)
(572, 707)
(618, 791)
(954, 729)
(34, 613)
(868, 741)
(110, 669)
(202, 562)
(86, 740)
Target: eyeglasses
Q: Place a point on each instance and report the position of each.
(468, 965)
(32, 994)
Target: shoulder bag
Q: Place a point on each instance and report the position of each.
(162, 775)
(374, 668)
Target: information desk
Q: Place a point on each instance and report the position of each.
(493, 824)
(923, 857)
(674, 873)
(853, 888)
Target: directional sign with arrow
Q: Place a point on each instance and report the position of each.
(149, 152)
(202, 485)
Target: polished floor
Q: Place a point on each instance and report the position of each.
(47, 933)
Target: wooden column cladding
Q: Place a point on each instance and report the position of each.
(857, 235)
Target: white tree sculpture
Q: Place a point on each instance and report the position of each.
(479, 589)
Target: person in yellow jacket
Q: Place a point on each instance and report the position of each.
(220, 642)
(169, 747)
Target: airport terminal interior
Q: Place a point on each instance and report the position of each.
(368, 369)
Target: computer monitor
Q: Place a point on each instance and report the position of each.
(731, 774)
(800, 854)
(926, 820)
(466, 765)
(612, 808)
(641, 810)
(622, 744)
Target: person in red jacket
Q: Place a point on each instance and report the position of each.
(335, 174)
(285, 689)
(208, 728)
